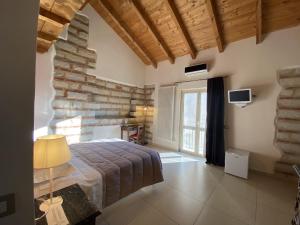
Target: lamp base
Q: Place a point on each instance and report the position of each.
(54, 212)
(46, 205)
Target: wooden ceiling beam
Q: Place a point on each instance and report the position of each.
(41, 49)
(181, 28)
(153, 31)
(211, 8)
(47, 37)
(258, 22)
(53, 16)
(118, 21)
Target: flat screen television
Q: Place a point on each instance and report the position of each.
(240, 96)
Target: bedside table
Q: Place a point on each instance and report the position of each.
(78, 209)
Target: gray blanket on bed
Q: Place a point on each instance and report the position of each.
(125, 167)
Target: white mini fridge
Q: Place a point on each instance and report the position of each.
(237, 162)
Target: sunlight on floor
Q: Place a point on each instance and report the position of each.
(172, 157)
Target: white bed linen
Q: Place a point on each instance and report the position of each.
(88, 178)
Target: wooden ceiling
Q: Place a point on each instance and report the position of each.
(158, 30)
(54, 14)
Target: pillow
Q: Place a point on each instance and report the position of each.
(42, 175)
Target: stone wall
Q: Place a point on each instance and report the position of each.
(83, 101)
(287, 137)
(149, 113)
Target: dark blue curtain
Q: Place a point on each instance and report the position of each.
(215, 147)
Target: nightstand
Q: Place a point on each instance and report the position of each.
(78, 209)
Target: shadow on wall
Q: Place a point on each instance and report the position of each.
(263, 91)
(209, 62)
(261, 162)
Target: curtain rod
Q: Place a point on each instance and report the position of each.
(180, 82)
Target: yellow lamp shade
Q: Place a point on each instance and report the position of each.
(51, 151)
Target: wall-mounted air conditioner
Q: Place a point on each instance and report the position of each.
(195, 70)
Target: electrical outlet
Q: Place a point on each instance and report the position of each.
(7, 205)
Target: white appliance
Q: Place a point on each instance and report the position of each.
(195, 70)
(237, 162)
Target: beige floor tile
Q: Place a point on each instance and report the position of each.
(239, 186)
(198, 189)
(124, 211)
(177, 206)
(151, 216)
(277, 200)
(155, 192)
(211, 216)
(241, 208)
(277, 193)
(268, 215)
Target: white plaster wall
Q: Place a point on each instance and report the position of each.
(116, 61)
(44, 92)
(248, 65)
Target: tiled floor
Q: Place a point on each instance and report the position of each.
(194, 193)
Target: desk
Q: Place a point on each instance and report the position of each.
(135, 133)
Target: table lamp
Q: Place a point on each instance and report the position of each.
(49, 152)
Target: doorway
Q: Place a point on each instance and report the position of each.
(193, 121)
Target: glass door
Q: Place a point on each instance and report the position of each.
(193, 122)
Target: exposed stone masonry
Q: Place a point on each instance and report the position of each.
(83, 101)
(149, 103)
(287, 137)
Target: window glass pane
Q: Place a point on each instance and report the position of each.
(189, 140)
(203, 110)
(202, 128)
(190, 109)
(202, 142)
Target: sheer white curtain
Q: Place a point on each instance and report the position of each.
(165, 118)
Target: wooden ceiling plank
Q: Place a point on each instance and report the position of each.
(53, 16)
(211, 8)
(153, 31)
(181, 28)
(84, 4)
(45, 36)
(258, 22)
(118, 21)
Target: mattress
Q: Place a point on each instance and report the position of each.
(125, 167)
(108, 170)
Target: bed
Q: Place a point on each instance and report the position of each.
(108, 170)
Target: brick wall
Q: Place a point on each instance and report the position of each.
(83, 101)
